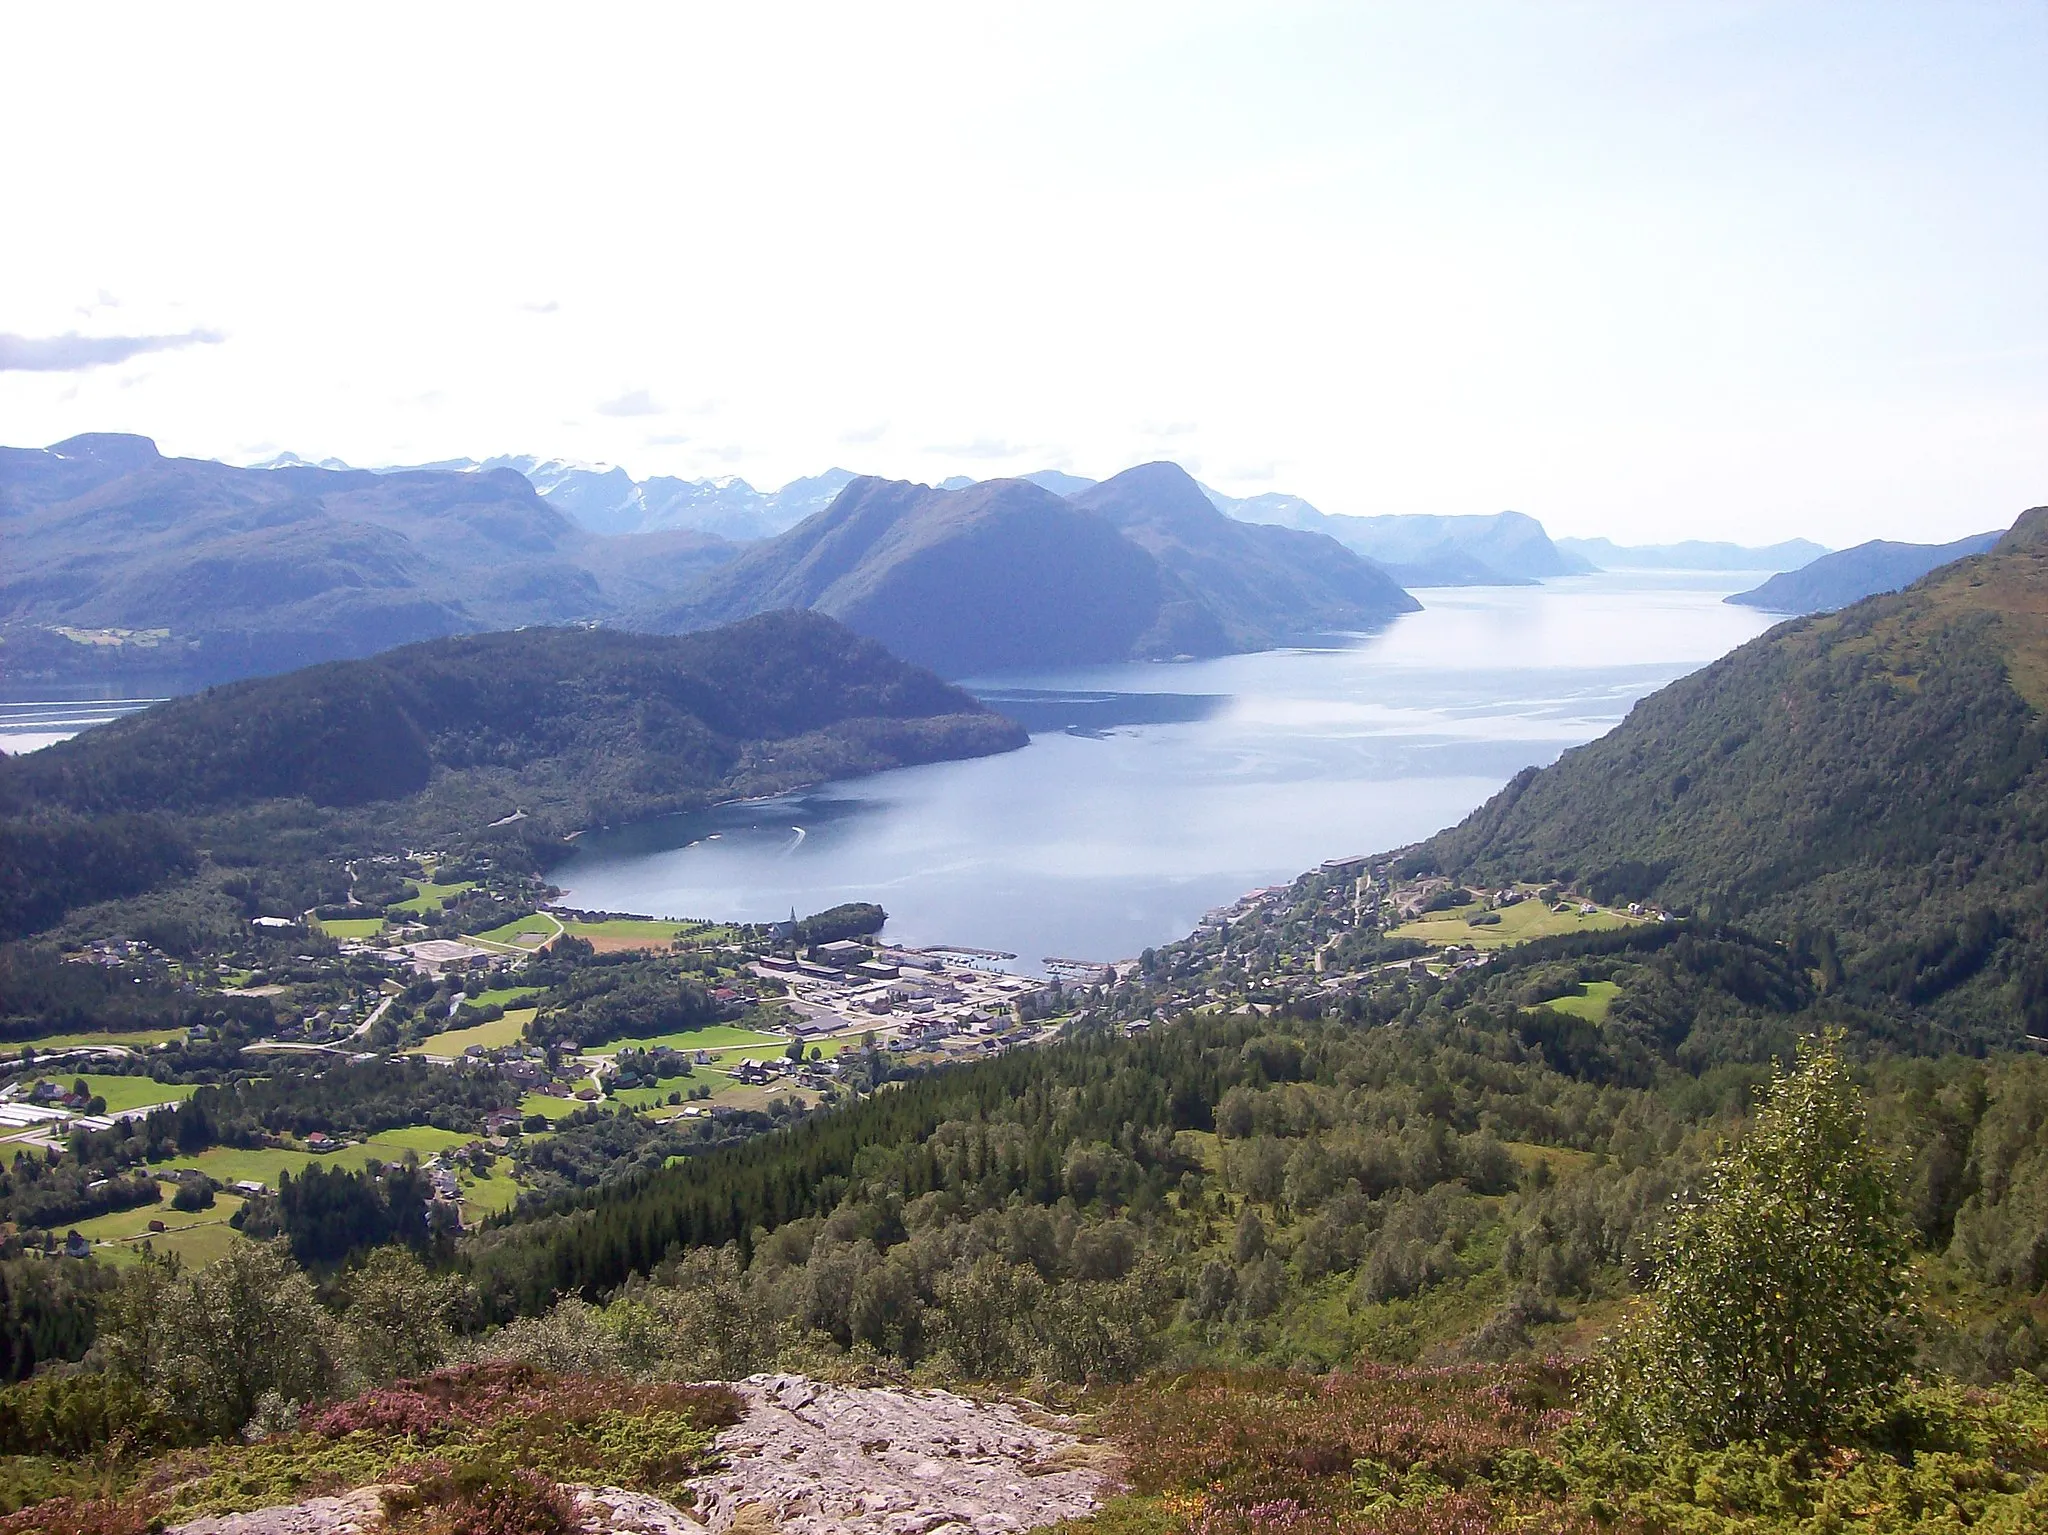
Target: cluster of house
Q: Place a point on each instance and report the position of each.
(119, 951)
(816, 1075)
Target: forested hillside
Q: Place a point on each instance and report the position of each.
(561, 728)
(1877, 778)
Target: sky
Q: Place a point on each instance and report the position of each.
(1648, 271)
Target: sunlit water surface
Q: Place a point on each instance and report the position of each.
(1151, 793)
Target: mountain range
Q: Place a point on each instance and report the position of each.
(125, 564)
(1849, 575)
(1694, 554)
(1506, 548)
(1875, 779)
(1006, 574)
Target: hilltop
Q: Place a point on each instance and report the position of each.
(1005, 574)
(1877, 777)
(562, 728)
(1849, 575)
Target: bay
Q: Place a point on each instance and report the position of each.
(1151, 793)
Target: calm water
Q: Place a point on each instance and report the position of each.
(31, 723)
(1150, 793)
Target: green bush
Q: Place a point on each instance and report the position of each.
(1781, 1311)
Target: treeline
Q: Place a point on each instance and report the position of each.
(42, 993)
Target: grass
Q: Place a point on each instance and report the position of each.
(489, 1196)
(194, 1246)
(123, 1093)
(505, 996)
(350, 929)
(1518, 924)
(1592, 1002)
(549, 1107)
(650, 931)
(392, 1145)
(431, 897)
(508, 1030)
(509, 932)
(717, 1036)
(231, 1164)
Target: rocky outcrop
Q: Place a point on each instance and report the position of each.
(817, 1459)
(811, 1459)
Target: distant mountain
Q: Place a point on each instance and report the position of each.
(1836, 580)
(1005, 575)
(1874, 780)
(1693, 555)
(608, 500)
(1505, 549)
(1265, 585)
(572, 726)
(124, 564)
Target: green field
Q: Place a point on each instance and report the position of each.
(431, 897)
(652, 932)
(126, 1224)
(194, 1246)
(138, 1039)
(550, 1107)
(505, 996)
(508, 1030)
(350, 929)
(488, 1196)
(392, 1145)
(717, 1036)
(1518, 924)
(533, 922)
(124, 1093)
(230, 1164)
(1592, 1002)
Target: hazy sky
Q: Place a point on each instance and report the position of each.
(1647, 269)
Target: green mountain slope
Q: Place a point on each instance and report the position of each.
(1878, 777)
(571, 726)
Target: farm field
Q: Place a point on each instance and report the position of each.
(1518, 924)
(123, 1093)
(505, 996)
(488, 1196)
(533, 924)
(350, 929)
(508, 1030)
(196, 1236)
(1592, 1002)
(548, 1106)
(431, 896)
(717, 1036)
(232, 1164)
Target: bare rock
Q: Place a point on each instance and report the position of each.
(614, 1511)
(349, 1514)
(815, 1459)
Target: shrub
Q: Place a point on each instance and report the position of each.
(1781, 1298)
